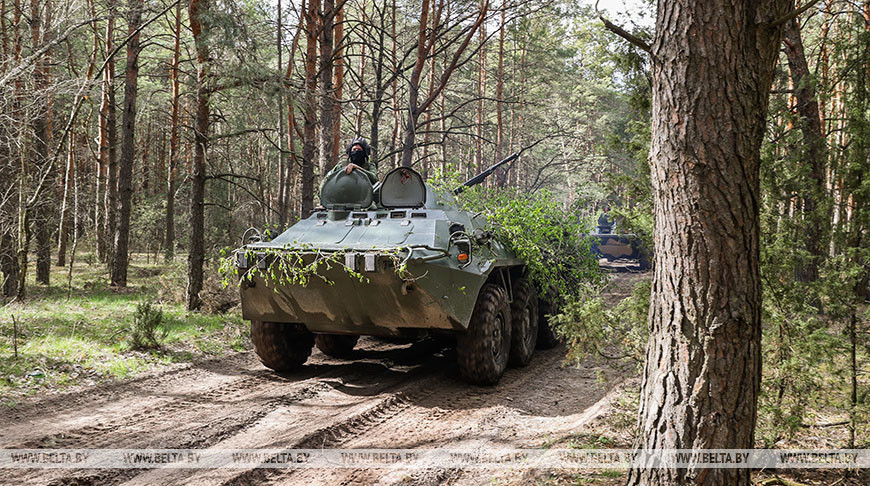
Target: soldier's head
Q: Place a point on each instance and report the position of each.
(358, 151)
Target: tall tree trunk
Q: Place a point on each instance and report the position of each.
(44, 210)
(309, 139)
(361, 72)
(63, 229)
(481, 93)
(171, 183)
(128, 133)
(327, 95)
(815, 232)
(22, 237)
(198, 10)
(101, 192)
(111, 192)
(282, 155)
(499, 100)
(394, 139)
(712, 73)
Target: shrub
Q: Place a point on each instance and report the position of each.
(588, 325)
(147, 329)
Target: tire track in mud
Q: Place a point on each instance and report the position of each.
(421, 382)
(453, 417)
(232, 411)
(386, 396)
(193, 420)
(202, 434)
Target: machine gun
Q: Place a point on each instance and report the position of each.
(483, 175)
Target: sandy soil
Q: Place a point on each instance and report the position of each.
(385, 396)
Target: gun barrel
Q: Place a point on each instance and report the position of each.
(483, 175)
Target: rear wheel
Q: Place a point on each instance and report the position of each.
(281, 346)
(547, 339)
(524, 319)
(483, 351)
(335, 345)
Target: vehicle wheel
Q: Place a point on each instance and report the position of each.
(281, 346)
(524, 323)
(483, 351)
(547, 339)
(335, 345)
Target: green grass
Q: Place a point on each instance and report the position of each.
(80, 335)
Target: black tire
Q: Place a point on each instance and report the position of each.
(281, 346)
(482, 352)
(524, 323)
(335, 345)
(547, 339)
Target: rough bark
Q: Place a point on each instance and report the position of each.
(196, 257)
(171, 183)
(128, 132)
(813, 151)
(712, 65)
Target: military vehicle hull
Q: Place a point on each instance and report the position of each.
(615, 247)
(413, 262)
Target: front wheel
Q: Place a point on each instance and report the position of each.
(281, 346)
(483, 350)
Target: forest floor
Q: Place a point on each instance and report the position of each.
(385, 396)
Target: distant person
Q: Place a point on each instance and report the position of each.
(358, 151)
(605, 223)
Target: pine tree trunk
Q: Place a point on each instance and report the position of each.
(128, 132)
(111, 192)
(171, 184)
(43, 211)
(815, 230)
(499, 98)
(282, 155)
(327, 95)
(196, 256)
(309, 142)
(712, 73)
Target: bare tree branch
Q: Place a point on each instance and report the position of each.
(637, 41)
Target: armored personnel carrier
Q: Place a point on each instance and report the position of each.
(400, 260)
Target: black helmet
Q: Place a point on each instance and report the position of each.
(362, 143)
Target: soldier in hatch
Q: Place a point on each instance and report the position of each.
(358, 152)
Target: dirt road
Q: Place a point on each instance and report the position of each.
(385, 396)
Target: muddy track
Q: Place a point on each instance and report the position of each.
(384, 396)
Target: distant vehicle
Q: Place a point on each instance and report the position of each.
(427, 267)
(611, 246)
